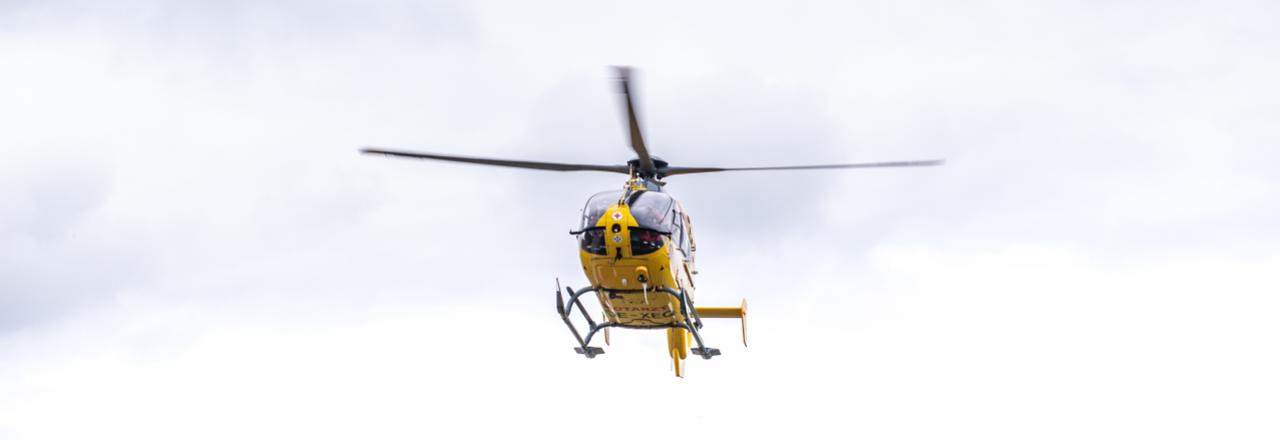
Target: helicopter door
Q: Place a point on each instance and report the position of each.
(679, 236)
(687, 244)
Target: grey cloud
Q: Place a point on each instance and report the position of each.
(57, 249)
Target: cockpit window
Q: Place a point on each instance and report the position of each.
(645, 241)
(593, 241)
(597, 205)
(652, 210)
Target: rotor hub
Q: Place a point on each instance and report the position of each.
(657, 163)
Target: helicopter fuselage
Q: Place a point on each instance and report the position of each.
(635, 245)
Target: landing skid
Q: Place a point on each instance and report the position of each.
(692, 322)
(709, 352)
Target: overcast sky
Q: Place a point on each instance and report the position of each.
(190, 246)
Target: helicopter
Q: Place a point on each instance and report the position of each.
(636, 245)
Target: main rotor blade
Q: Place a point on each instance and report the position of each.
(675, 171)
(550, 166)
(633, 122)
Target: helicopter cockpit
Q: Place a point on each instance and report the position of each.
(653, 212)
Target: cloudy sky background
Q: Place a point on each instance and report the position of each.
(191, 247)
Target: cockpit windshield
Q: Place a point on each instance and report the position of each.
(653, 210)
(597, 205)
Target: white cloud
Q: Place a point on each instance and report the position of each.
(1006, 342)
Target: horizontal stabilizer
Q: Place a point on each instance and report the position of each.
(739, 312)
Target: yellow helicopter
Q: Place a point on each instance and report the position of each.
(637, 248)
